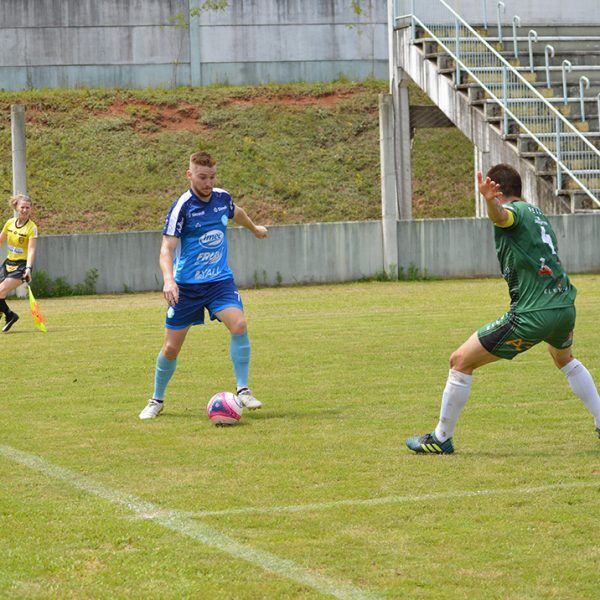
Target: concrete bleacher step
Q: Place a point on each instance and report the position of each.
(569, 143)
(545, 165)
(579, 201)
(585, 60)
(571, 110)
(578, 58)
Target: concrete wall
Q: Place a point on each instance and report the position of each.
(465, 247)
(137, 43)
(532, 12)
(314, 253)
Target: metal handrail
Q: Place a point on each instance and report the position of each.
(500, 5)
(556, 124)
(548, 49)
(516, 22)
(566, 66)
(532, 36)
(584, 82)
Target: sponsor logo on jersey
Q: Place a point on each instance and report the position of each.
(544, 268)
(212, 239)
(207, 273)
(210, 258)
(219, 208)
(198, 214)
(224, 220)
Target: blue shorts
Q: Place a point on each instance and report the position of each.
(195, 297)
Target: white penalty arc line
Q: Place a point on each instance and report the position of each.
(297, 508)
(180, 522)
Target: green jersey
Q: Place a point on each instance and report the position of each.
(528, 255)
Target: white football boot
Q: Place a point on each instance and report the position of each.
(152, 409)
(247, 399)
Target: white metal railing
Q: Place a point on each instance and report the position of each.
(574, 155)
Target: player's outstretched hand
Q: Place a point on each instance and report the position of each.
(488, 189)
(171, 293)
(261, 232)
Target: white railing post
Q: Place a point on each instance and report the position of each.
(505, 99)
(516, 19)
(548, 49)
(457, 51)
(566, 66)
(583, 82)
(558, 157)
(531, 35)
(499, 6)
(484, 6)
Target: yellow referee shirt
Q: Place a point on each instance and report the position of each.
(17, 238)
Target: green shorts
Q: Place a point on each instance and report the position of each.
(513, 333)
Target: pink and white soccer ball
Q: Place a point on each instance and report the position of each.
(225, 408)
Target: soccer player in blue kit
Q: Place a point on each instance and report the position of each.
(193, 261)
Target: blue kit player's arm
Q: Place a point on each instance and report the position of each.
(241, 218)
(167, 253)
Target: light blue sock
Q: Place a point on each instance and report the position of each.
(240, 356)
(164, 371)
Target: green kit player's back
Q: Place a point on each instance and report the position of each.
(528, 255)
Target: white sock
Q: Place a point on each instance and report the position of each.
(583, 385)
(455, 396)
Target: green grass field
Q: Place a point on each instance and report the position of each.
(315, 494)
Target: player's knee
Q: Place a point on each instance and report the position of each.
(561, 359)
(456, 360)
(170, 351)
(238, 327)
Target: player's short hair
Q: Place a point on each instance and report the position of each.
(14, 201)
(507, 178)
(202, 159)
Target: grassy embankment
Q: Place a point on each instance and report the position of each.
(105, 160)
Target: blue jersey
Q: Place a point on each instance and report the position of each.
(201, 254)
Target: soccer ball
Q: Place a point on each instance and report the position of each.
(224, 408)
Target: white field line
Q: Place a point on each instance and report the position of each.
(316, 506)
(181, 523)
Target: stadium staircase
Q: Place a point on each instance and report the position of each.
(536, 88)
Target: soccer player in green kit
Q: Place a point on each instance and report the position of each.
(541, 309)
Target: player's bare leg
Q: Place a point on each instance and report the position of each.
(166, 363)
(463, 361)
(233, 318)
(579, 379)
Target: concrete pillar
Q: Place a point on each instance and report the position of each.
(19, 163)
(389, 203)
(196, 78)
(403, 145)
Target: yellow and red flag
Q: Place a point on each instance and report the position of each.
(38, 319)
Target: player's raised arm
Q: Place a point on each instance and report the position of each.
(241, 218)
(494, 198)
(167, 253)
